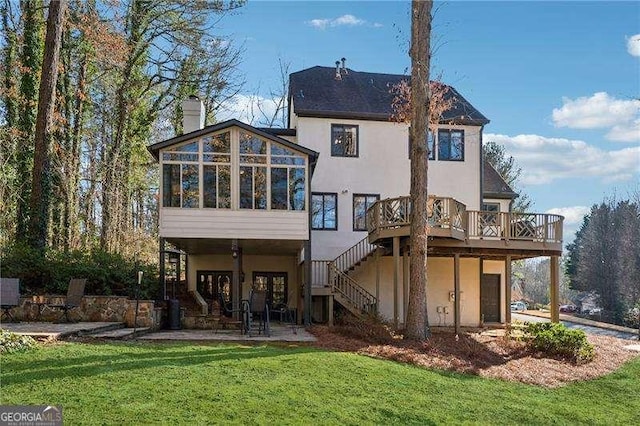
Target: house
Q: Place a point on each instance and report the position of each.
(318, 213)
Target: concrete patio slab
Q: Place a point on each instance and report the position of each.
(278, 334)
(53, 331)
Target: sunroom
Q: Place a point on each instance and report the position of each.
(235, 199)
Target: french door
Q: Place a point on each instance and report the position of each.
(275, 284)
(213, 284)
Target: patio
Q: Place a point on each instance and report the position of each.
(116, 330)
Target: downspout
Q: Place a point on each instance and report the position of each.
(481, 169)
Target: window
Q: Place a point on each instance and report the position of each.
(490, 214)
(181, 178)
(450, 145)
(253, 176)
(287, 179)
(201, 173)
(344, 140)
(430, 144)
(324, 211)
(216, 171)
(275, 286)
(361, 203)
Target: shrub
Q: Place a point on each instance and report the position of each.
(12, 342)
(556, 339)
(50, 272)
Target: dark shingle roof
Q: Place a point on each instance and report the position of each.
(361, 95)
(493, 185)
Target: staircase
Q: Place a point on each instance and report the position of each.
(346, 290)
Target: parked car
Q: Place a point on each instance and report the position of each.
(518, 306)
(595, 311)
(568, 308)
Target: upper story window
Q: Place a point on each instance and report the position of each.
(489, 215)
(361, 203)
(204, 173)
(450, 145)
(253, 172)
(344, 140)
(181, 177)
(430, 144)
(216, 171)
(324, 211)
(287, 179)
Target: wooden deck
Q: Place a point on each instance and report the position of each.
(454, 229)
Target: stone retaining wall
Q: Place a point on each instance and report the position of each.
(93, 308)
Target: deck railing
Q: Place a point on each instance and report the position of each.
(350, 257)
(443, 212)
(320, 273)
(448, 213)
(350, 290)
(540, 227)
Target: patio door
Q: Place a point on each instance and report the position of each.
(490, 297)
(212, 284)
(275, 284)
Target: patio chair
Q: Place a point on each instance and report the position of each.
(9, 296)
(259, 307)
(75, 292)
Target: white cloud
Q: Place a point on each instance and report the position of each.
(633, 45)
(344, 20)
(545, 160)
(251, 109)
(572, 215)
(597, 111)
(627, 132)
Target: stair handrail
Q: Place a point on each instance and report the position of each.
(352, 291)
(354, 254)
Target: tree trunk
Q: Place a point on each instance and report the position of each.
(417, 324)
(41, 181)
(31, 62)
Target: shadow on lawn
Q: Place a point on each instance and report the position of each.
(116, 361)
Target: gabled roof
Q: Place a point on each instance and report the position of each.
(494, 185)
(361, 95)
(156, 147)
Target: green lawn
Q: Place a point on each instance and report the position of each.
(186, 383)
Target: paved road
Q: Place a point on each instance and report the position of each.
(586, 328)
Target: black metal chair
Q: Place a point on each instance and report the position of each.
(75, 293)
(259, 306)
(9, 296)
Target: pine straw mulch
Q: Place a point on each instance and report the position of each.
(482, 355)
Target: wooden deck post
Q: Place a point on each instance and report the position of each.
(330, 303)
(507, 291)
(235, 284)
(396, 278)
(405, 285)
(307, 283)
(554, 288)
(377, 260)
(456, 293)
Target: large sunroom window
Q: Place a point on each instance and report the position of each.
(216, 171)
(181, 177)
(203, 173)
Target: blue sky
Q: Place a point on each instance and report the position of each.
(560, 81)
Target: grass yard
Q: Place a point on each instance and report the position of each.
(188, 383)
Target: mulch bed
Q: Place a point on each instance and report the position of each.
(483, 355)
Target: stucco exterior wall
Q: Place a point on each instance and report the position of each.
(440, 284)
(250, 264)
(382, 167)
